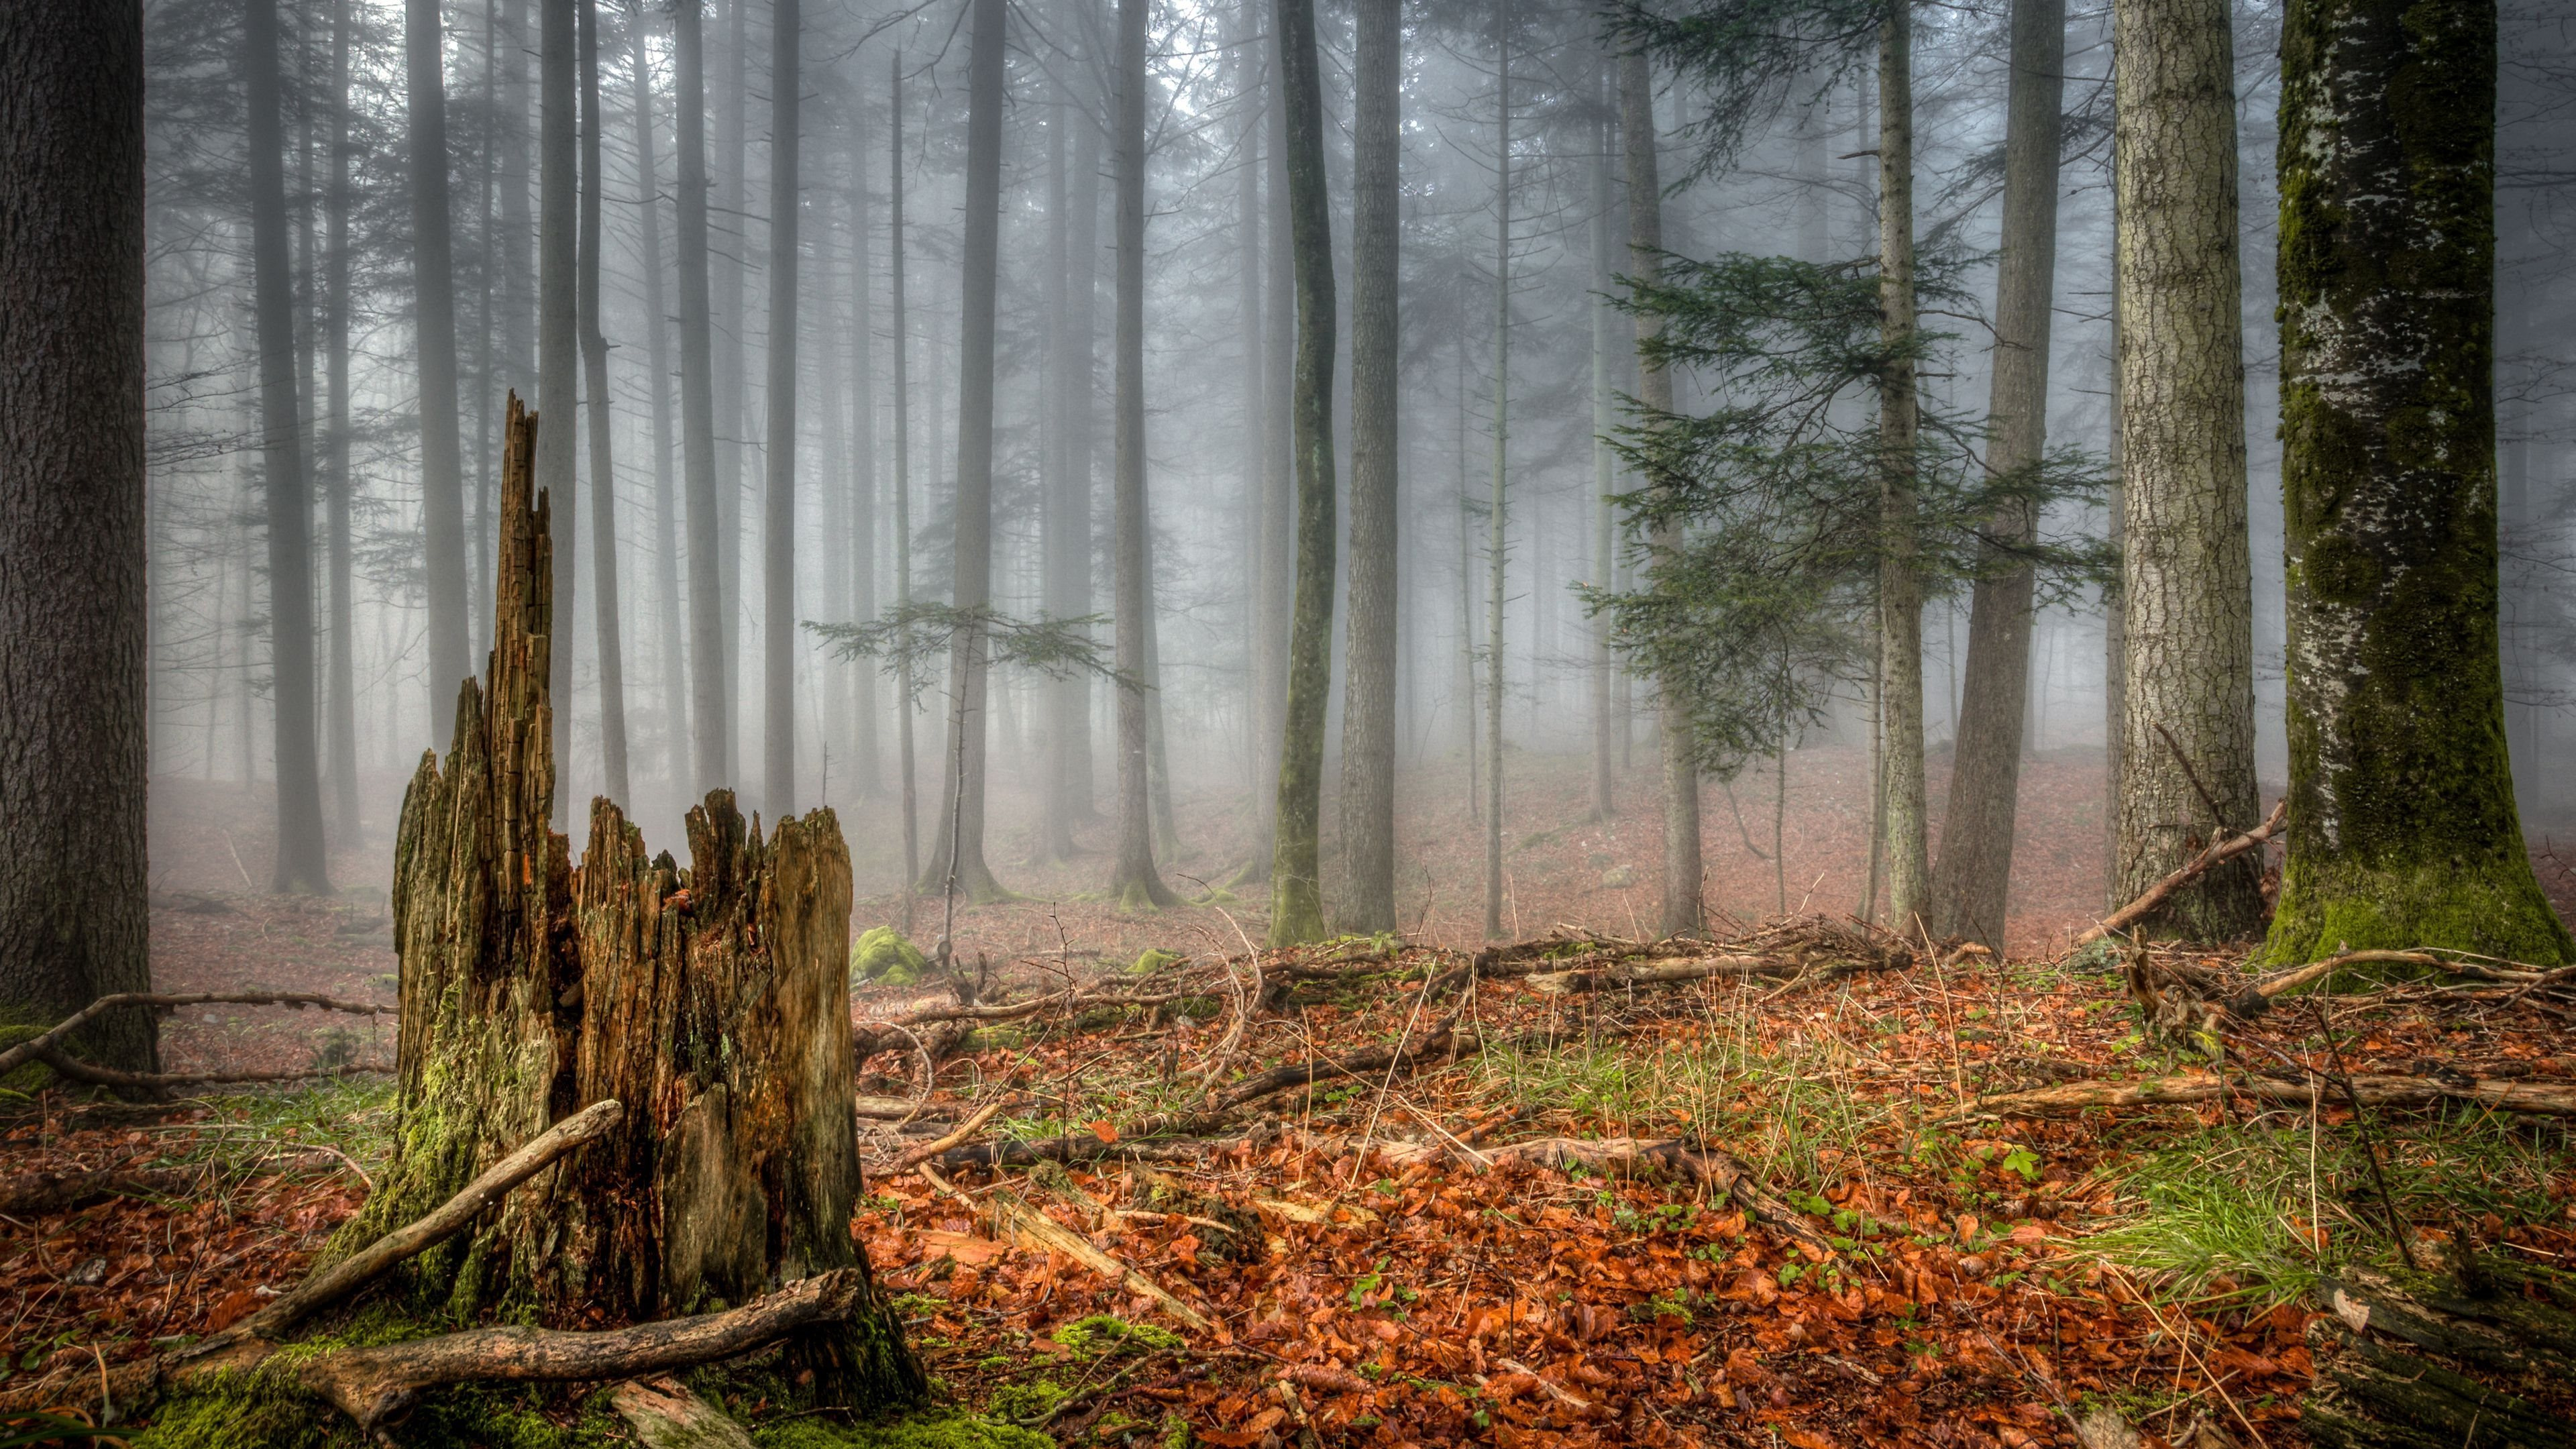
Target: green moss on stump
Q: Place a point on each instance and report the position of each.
(883, 957)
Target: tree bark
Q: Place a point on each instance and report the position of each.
(442, 469)
(1605, 421)
(603, 476)
(1680, 912)
(957, 859)
(1249, 217)
(1082, 432)
(1273, 534)
(671, 655)
(778, 568)
(864, 691)
(300, 857)
(900, 334)
(1296, 894)
(558, 320)
(1056, 554)
(339, 486)
(74, 598)
(1133, 881)
(731, 332)
(712, 1000)
(1369, 661)
(1900, 582)
(1498, 500)
(1971, 882)
(2403, 831)
(2187, 583)
(707, 674)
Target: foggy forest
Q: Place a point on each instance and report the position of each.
(821, 723)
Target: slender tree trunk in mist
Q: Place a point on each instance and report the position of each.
(2186, 579)
(603, 476)
(487, 356)
(2115, 642)
(778, 568)
(343, 721)
(2403, 832)
(957, 859)
(300, 862)
(1971, 882)
(900, 335)
(1466, 684)
(1249, 218)
(1900, 584)
(1296, 894)
(707, 715)
(1158, 766)
(1498, 502)
(731, 340)
(862, 545)
(1273, 540)
(510, 136)
(1056, 552)
(1081, 446)
(75, 602)
(666, 506)
(1681, 894)
(1133, 881)
(1605, 419)
(558, 335)
(1368, 690)
(442, 473)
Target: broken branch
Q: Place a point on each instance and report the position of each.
(2218, 852)
(2536, 1098)
(37, 1046)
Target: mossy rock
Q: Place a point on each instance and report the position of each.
(1153, 959)
(883, 957)
(1107, 1333)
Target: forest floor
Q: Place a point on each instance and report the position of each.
(1417, 1254)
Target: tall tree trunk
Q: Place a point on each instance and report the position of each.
(300, 864)
(1498, 502)
(75, 604)
(1900, 584)
(2403, 831)
(1133, 881)
(1249, 218)
(708, 718)
(1466, 682)
(2187, 583)
(957, 860)
(442, 473)
(864, 696)
(1369, 672)
(487, 356)
(671, 654)
(343, 692)
(723, 1028)
(1680, 914)
(1082, 432)
(603, 477)
(1057, 553)
(900, 335)
(558, 322)
(1972, 879)
(1606, 720)
(2115, 642)
(1296, 894)
(1273, 533)
(778, 570)
(518, 296)
(731, 341)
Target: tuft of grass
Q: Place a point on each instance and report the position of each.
(2210, 1235)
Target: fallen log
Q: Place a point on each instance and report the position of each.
(1615, 978)
(36, 1046)
(2257, 998)
(2547, 1099)
(34, 1193)
(915, 1156)
(2217, 852)
(2404, 1360)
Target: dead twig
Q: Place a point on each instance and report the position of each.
(2218, 852)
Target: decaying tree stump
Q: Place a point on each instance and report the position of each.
(2408, 1361)
(713, 1001)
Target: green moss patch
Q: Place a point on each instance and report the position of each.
(883, 957)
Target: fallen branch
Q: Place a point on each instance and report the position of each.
(915, 1156)
(2257, 998)
(1038, 1232)
(98, 1076)
(37, 1046)
(2217, 852)
(2537, 1098)
(450, 1218)
(1614, 978)
(1442, 1043)
(34, 1193)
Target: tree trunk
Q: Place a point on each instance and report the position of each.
(1056, 558)
(778, 565)
(1254, 431)
(1605, 421)
(1900, 585)
(1369, 667)
(2187, 583)
(1680, 914)
(300, 864)
(343, 723)
(2403, 831)
(1081, 445)
(957, 859)
(712, 1001)
(1972, 879)
(74, 599)
(442, 472)
(510, 135)
(1296, 894)
(603, 477)
(1498, 501)
(731, 339)
(900, 334)
(1274, 561)
(862, 544)
(671, 654)
(1133, 881)
(708, 719)
(558, 321)
(2115, 641)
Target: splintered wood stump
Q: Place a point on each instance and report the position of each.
(712, 1001)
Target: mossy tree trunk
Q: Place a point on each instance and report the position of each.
(712, 1001)
(2402, 823)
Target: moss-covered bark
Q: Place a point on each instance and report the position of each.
(2402, 823)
